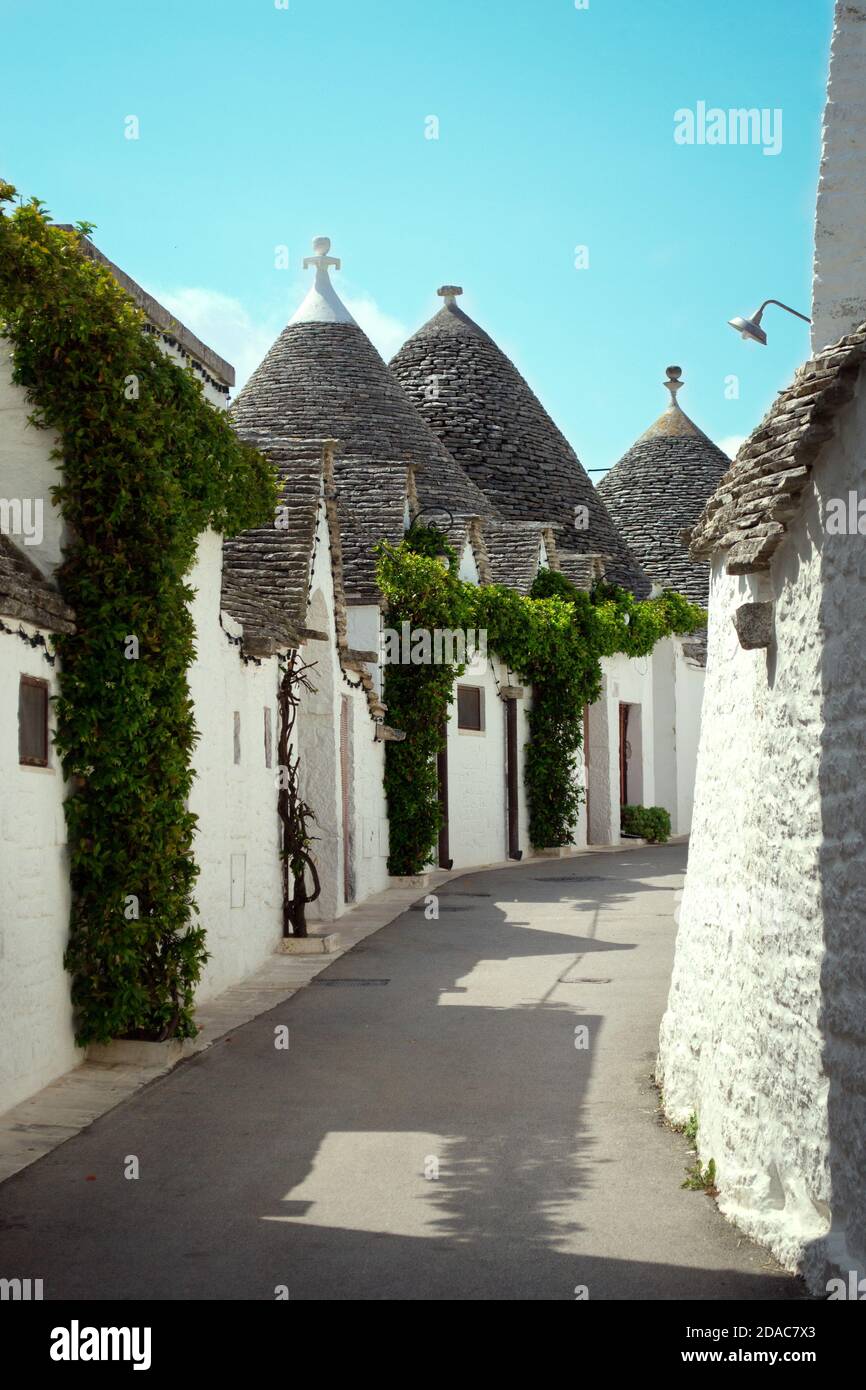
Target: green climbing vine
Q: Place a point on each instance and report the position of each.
(147, 465)
(554, 640)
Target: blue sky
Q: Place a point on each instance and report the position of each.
(262, 126)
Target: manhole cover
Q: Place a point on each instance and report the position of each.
(443, 907)
(573, 878)
(324, 980)
(585, 980)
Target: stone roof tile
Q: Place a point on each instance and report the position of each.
(495, 427)
(27, 595)
(266, 571)
(659, 488)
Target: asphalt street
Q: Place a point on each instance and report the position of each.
(464, 1111)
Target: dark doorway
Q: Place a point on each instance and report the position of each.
(623, 755)
(511, 780)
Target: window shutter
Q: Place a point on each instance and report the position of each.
(33, 722)
(470, 707)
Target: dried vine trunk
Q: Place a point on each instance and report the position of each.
(293, 811)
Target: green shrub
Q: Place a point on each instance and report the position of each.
(651, 823)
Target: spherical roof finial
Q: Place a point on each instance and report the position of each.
(674, 382)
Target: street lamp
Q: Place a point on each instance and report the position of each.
(750, 329)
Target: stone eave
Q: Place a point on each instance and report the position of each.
(747, 517)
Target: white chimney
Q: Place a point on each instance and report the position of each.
(839, 283)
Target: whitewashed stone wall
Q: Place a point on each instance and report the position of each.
(689, 699)
(664, 680)
(237, 843)
(368, 807)
(27, 470)
(319, 724)
(477, 816)
(678, 690)
(839, 286)
(624, 681)
(765, 1031)
(523, 708)
(36, 1032)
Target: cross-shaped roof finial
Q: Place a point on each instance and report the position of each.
(674, 383)
(321, 260)
(322, 303)
(449, 292)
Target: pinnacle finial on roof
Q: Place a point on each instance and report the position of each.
(674, 383)
(449, 292)
(321, 260)
(322, 304)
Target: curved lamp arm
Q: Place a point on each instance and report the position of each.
(787, 307)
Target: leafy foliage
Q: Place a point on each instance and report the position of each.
(423, 592)
(554, 640)
(651, 823)
(147, 465)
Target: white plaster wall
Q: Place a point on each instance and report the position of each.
(369, 808)
(665, 719)
(27, 469)
(211, 395)
(523, 708)
(765, 1031)
(603, 804)
(236, 804)
(363, 634)
(625, 680)
(839, 283)
(477, 817)
(319, 750)
(689, 698)
(678, 688)
(319, 743)
(36, 1028)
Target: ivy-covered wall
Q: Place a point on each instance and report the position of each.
(146, 466)
(554, 640)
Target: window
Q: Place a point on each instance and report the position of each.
(33, 722)
(237, 736)
(470, 708)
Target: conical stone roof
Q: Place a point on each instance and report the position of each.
(498, 431)
(660, 488)
(323, 378)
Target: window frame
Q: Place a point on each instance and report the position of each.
(38, 683)
(481, 728)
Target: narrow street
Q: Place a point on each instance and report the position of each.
(431, 1132)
